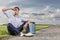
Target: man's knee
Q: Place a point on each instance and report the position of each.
(9, 24)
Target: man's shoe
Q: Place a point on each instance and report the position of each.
(21, 34)
(29, 34)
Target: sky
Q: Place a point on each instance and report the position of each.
(43, 11)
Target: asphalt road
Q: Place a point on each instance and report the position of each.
(51, 33)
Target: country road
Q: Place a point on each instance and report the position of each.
(51, 33)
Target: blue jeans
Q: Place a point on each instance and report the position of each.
(16, 31)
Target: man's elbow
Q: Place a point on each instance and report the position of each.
(3, 10)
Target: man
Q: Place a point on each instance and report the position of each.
(17, 23)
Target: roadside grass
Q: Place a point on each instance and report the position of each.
(39, 27)
(4, 32)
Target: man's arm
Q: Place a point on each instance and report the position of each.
(27, 22)
(5, 9)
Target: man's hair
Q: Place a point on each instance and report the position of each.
(17, 8)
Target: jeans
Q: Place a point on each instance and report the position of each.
(16, 31)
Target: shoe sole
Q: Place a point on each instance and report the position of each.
(28, 36)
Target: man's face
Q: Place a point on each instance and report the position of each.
(16, 10)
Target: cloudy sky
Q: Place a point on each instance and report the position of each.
(46, 11)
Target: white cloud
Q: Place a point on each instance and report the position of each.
(6, 2)
(11, 1)
(31, 10)
(57, 10)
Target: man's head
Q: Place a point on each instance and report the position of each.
(16, 10)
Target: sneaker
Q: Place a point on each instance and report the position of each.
(21, 34)
(29, 34)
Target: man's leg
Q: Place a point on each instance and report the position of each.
(20, 28)
(28, 34)
(12, 30)
(27, 28)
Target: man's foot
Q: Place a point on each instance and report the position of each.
(29, 34)
(21, 34)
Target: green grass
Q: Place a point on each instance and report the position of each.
(4, 32)
(39, 27)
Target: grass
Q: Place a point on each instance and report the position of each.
(39, 27)
(4, 32)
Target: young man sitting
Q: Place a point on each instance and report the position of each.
(17, 23)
